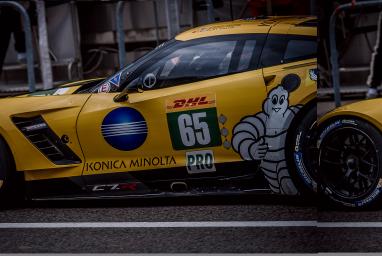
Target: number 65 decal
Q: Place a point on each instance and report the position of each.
(194, 129)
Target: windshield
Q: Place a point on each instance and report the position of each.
(117, 81)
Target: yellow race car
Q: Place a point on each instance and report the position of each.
(222, 108)
(350, 159)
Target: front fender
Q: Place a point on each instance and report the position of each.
(368, 110)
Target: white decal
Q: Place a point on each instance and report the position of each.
(149, 80)
(200, 161)
(193, 130)
(105, 88)
(262, 137)
(313, 74)
(116, 79)
(61, 91)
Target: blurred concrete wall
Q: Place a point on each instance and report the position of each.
(356, 53)
(64, 45)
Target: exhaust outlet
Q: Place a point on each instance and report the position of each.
(178, 186)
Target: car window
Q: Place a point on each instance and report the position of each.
(178, 62)
(273, 51)
(300, 49)
(188, 64)
(281, 49)
(199, 59)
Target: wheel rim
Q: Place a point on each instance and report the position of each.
(349, 163)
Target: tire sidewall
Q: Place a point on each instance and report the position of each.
(4, 168)
(347, 122)
(10, 190)
(302, 134)
(3, 177)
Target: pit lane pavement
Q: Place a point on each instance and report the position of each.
(253, 224)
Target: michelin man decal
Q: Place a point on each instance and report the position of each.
(263, 136)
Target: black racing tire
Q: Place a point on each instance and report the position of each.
(302, 152)
(10, 189)
(350, 162)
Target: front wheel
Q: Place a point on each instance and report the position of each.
(10, 180)
(350, 162)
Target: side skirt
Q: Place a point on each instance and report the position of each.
(229, 178)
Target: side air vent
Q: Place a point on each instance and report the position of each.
(42, 137)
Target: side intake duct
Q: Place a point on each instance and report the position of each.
(42, 137)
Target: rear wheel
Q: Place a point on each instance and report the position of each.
(350, 162)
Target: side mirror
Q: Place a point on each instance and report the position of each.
(122, 97)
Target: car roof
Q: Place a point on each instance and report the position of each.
(301, 25)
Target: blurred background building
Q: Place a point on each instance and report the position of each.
(82, 36)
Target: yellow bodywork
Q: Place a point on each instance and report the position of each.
(80, 116)
(368, 110)
(272, 25)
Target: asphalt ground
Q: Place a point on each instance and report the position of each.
(250, 224)
(164, 239)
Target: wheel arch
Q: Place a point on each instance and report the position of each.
(361, 117)
(10, 152)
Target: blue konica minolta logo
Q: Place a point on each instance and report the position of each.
(124, 129)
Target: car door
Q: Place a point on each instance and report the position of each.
(181, 108)
(290, 73)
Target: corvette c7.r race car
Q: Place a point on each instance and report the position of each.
(222, 108)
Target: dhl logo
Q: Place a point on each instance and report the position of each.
(192, 102)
